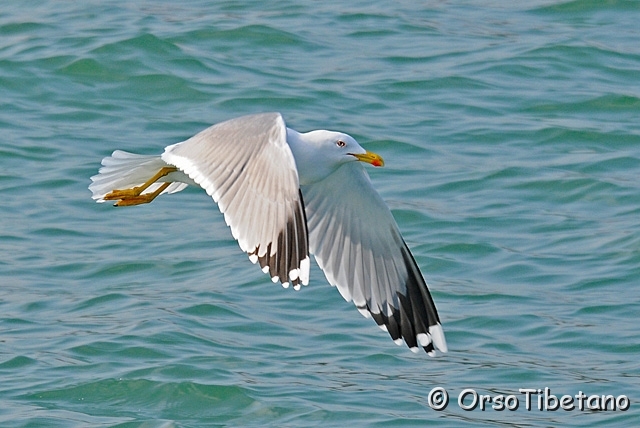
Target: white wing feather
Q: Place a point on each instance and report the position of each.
(357, 244)
(247, 167)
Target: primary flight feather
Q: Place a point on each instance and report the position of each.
(286, 195)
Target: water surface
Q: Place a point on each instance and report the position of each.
(510, 132)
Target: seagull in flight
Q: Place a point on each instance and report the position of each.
(286, 195)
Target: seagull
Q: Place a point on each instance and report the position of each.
(285, 195)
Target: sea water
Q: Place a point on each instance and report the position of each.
(511, 136)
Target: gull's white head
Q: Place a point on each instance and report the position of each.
(319, 153)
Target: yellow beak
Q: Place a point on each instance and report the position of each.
(370, 157)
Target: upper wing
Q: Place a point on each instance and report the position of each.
(357, 244)
(246, 165)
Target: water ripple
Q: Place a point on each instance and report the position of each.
(511, 140)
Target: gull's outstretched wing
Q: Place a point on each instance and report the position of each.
(357, 244)
(246, 165)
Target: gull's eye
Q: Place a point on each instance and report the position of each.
(340, 143)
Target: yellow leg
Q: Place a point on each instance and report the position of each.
(134, 195)
(141, 199)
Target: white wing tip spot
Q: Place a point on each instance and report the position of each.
(305, 265)
(398, 342)
(423, 339)
(253, 258)
(265, 269)
(276, 279)
(286, 285)
(296, 287)
(415, 349)
(437, 336)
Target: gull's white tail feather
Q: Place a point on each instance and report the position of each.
(123, 170)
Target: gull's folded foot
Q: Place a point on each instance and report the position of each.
(134, 200)
(134, 196)
(122, 194)
(127, 201)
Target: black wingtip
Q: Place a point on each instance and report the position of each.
(417, 315)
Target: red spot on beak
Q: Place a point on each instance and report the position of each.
(369, 157)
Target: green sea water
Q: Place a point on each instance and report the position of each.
(511, 136)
